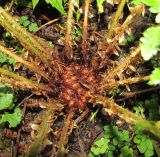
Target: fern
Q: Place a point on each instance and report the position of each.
(155, 77)
(58, 4)
(154, 6)
(150, 42)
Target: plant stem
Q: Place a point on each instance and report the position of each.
(131, 118)
(31, 66)
(85, 28)
(115, 19)
(69, 24)
(25, 38)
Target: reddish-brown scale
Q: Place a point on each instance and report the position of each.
(76, 81)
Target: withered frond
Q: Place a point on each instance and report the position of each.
(116, 84)
(21, 81)
(112, 73)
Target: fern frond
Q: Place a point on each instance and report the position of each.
(28, 40)
(116, 84)
(28, 83)
(150, 42)
(112, 73)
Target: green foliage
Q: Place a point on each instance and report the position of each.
(150, 42)
(153, 4)
(119, 142)
(127, 40)
(112, 141)
(150, 107)
(158, 18)
(6, 103)
(144, 144)
(32, 27)
(24, 3)
(6, 97)
(5, 59)
(100, 6)
(155, 77)
(58, 4)
(13, 118)
(35, 2)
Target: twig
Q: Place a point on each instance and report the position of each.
(131, 94)
(48, 23)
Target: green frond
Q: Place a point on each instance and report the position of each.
(150, 42)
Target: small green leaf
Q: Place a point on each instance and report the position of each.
(100, 6)
(155, 77)
(103, 149)
(23, 19)
(148, 47)
(95, 151)
(6, 97)
(58, 5)
(110, 154)
(35, 2)
(33, 27)
(149, 153)
(14, 119)
(26, 23)
(115, 141)
(125, 135)
(3, 58)
(142, 148)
